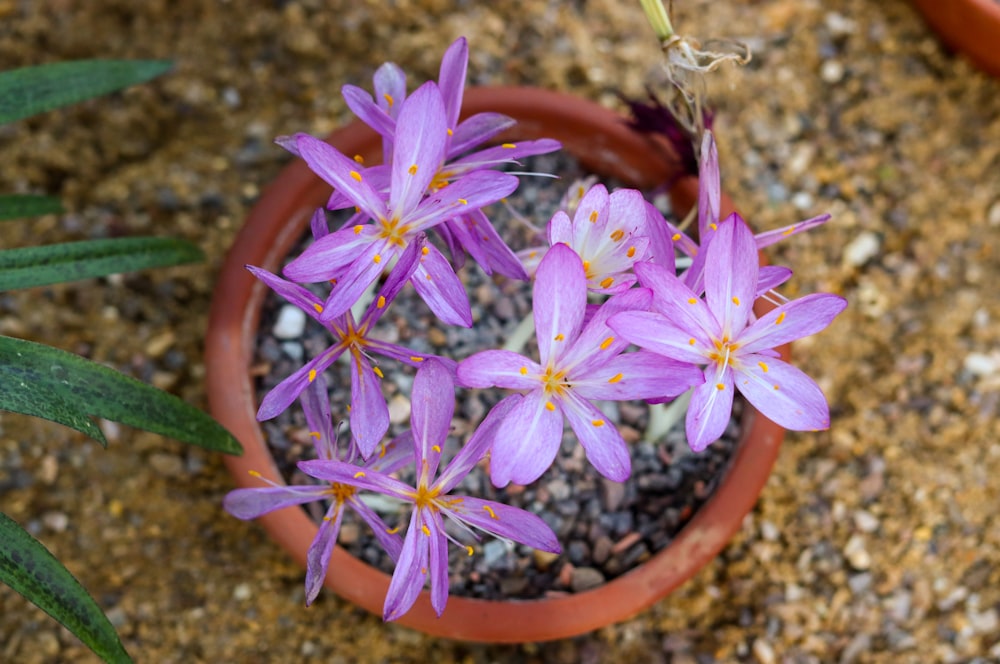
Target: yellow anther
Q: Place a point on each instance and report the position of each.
(358, 159)
(675, 237)
(586, 266)
(469, 550)
(450, 132)
(524, 371)
(618, 235)
(389, 99)
(463, 201)
(762, 366)
(607, 282)
(416, 358)
(691, 341)
(491, 512)
(549, 406)
(392, 531)
(424, 251)
(377, 258)
(736, 301)
(378, 372)
(427, 531)
(436, 448)
(560, 337)
(607, 342)
(593, 216)
(692, 300)
(381, 450)
(597, 423)
(380, 302)
(358, 474)
(412, 170)
(427, 277)
(312, 375)
(713, 227)
(254, 473)
(315, 434)
(775, 386)
(532, 253)
(780, 318)
(357, 229)
(631, 252)
(789, 230)
(720, 386)
(614, 379)
(356, 175)
(318, 308)
(509, 146)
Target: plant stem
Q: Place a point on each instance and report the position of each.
(663, 416)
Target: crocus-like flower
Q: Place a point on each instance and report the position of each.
(253, 502)
(717, 333)
(369, 416)
(577, 365)
(355, 256)
(608, 232)
(471, 231)
(424, 554)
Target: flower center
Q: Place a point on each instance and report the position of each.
(341, 492)
(724, 353)
(393, 231)
(555, 382)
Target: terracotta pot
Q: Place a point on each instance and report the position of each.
(969, 26)
(601, 140)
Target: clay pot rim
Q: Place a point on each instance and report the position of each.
(230, 340)
(969, 26)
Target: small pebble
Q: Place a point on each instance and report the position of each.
(290, 324)
(585, 578)
(856, 553)
(242, 592)
(831, 71)
(763, 652)
(865, 521)
(861, 249)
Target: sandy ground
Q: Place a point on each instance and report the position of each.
(877, 541)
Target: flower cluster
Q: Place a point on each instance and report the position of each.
(614, 318)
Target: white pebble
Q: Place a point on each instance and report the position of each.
(862, 248)
(802, 200)
(981, 364)
(993, 216)
(984, 622)
(769, 531)
(399, 409)
(55, 521)
(763, 652)
(293, 350)
(242, 592)
(856, 553)
(865, 521)
(290, 324)
(831, 71)
(839, 25)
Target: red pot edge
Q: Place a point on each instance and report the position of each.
(969, 26)
(234, 317)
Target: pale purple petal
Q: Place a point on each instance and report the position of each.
(503, 368)
(294, 293)
(710, 408)
(783, 393)
(504, 521)
(318, 224)
(661, 246)
(369, 414)
(477, 446)
(526, 442)
(678, 303)
(432, 406)
(437, 558)
(451, 79)
(363, 106)
(284, 393)
(418, 151)
(356, 279)
(390, 88)
(505, 153)
(792, 320)
(392, 456)
(590, 219)
(605, 447)
(731, 275)
(398, 276)
(768, 238)
(410, 574)
(316, 407)
(251, 503)
(641, 375)
(330, 255)
(655, 333)
(333, 470)
(468, 193)
(476, 130)
(442, 290)
(474, 233)
(560, 229)
(598, 343)
(771, 276)
(343, 173)
(318, 555)
(709, 187)
(560, 299)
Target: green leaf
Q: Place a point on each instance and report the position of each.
(25, 267)
(18, 206)
(30, 569)
(62, 387)
(32, 90)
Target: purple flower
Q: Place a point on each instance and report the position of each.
(369, 416)
(253, 502)
(717, 333)
(577, 364)
(470, 232)
(355, 256)
(424, 553)
(608, 232)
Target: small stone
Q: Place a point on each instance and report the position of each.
(612, 494)
(602, 549)
(559, 489)
(984, 622)
(399, 409)
(981, 364)
(769, 531)
(763, 652)
(802, 200)
(349, 533)
(493, 551)
(55, 521)
(436, 337)
(159, 344)
(585, 578)
(862, 249)
(291, 323)
(831, 71)
(242, 592)
(856, 553)
(48, 469)
(168, 465)
(865, 521)
(859, 645)
(293, 350)
(544, 559)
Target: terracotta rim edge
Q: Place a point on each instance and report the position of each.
(969, 26)
(230, 340)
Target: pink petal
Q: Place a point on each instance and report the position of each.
(330, 255)
(731, 275)
(793, 320)
(598, 343)
(369, 413)
(451, 79)
(442, 290)
(505, 521)
(363, 106)
(606, 450)
(560, 299)
(709, 188)
(437, 559)
(392, 543)
(710, 409)
(502, 368)
(341, 172)
(653, 332)
(318, 555)
(477, 446)
(526, 442)
(410, 574)
(418, 151)
(768, 238)
(251, 503)
(476, 130)
(641, 375)
(783, 393)
(355, 280)
(677, 303)
(432, 406)
(390, 88)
